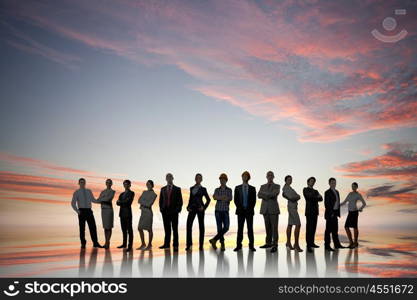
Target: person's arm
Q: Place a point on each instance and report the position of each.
(327, 204)
(345, 201)
(130, 198)
(275, 192)
(94, 200)
(319, 197)
(74, 203)
(229, 196)
(161, 195)
(106, 198)
(263, 194)
(235, 198)
(363, 202)
(216, 195)
(207, 199)
(180, 202)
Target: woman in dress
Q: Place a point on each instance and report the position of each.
(146, 201)
(352, 218)
(107, 215)
(293, 217)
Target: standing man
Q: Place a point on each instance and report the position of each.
(331, 214)
(223, 196)
(81, 203)
(125, 214)
(270, 210)
(245, 200)
(312, 198)
(170, 205)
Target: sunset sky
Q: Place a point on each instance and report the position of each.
(136, 89)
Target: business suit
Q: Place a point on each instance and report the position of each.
(270, 211)
(312, 198)
(170, 205)
(245, 213)
(331, 215)
(125, 214)
(196, 206)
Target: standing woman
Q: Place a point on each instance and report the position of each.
(293, 218)
(196, 206)
(146, 201)
(352, 218)
(107, 215)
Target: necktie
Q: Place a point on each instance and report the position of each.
(85, 205)
(245, 196)
(169, 195)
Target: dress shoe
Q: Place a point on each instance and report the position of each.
(175, 249)
(98, 246)
(222, 247)
(238, 248)
(289, 246)
(266, 246)
(188, 248)
(213, 243)
(164, 247)
(274, 249)
(252, 249)
(298, 249)
(340, 247)
(329, 249)
(315, 246)
(201, 248)
(309, 250)
(106, 246)
(83, 246)
(121, 246)
(128, 249)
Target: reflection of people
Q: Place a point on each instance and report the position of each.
(196, 207)
(352, 218)
(332, 214)
(81, 203)
(107, 214)
(270, 210)
(351, 266)
(293, 217)
(245, 200)
(223, 196)
(312, 198)
(146, 201)
(125, 214)
(170, 205)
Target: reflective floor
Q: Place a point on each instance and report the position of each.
(393, 255)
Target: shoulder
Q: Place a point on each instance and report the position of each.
(277, 185)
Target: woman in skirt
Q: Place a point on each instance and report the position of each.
(352, 218)
(107, 215)
(146, 201)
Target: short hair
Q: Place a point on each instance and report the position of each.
(81, 179)
(332, 179)
(169, 174)
(355, 183)
(270, 172)
(127, 181)
(311, 178)
(150, 182)
(198, 174)
(247, 174)
(223, 176)
(286, 177)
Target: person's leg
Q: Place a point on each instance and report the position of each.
(249, 222)
(81, 225)
(289, 230)
(107, 235)
(226, 224)
(167, 229)
(142, 239)
(219, 225)
(309, 241)
(240, 224)
(327, 233)
(130, 232)
(356, 233)
(201, 226)
(190, 220)
(92, 227)
(274, 232)
(268, 230)
(313, 229)
(124, 232)
(349, 235)
(335, 233)
(174, 224)
(150, 238)
(297, 237)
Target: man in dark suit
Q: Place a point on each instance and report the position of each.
(170, 205)
(245, 200)
(331, 214)
(312, 198)
(125, 214)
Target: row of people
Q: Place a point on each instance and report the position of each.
(244, 198)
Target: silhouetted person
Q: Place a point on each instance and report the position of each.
(293, 218)
(270, 210)
(352, 219)
(332, 214)
(223, 196)
(107, 213)
(125, 214)
(170, 205)
(245, 200)
(146, 201)
(196, 207)
(312, 198)
(81, 203)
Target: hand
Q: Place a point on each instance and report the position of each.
(360, 210)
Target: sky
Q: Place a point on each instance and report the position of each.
(136, 89)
